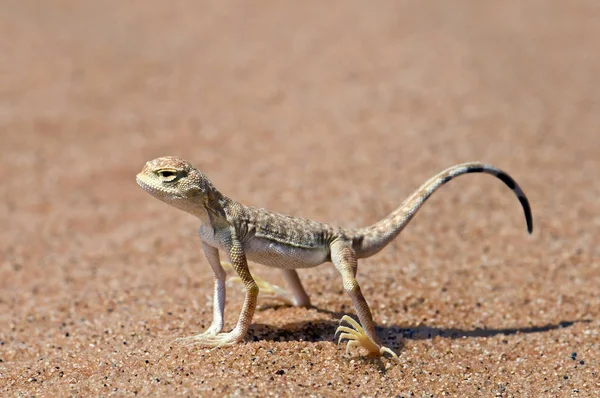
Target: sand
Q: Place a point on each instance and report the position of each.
(334, 112)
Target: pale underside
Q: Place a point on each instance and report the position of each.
(279, 255)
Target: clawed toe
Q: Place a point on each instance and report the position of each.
(196, 339)
(210, 339)
(189, 340)
(358, 337)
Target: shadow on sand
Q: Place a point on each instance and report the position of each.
(392, 335)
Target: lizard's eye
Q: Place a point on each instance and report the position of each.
(167, 175)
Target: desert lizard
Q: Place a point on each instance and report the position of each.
(246, 233)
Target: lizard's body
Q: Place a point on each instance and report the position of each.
(285, 242)
(281, 241)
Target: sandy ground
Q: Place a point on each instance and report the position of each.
(333, 112)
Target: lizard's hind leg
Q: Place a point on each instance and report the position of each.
(297, 292)
(296, 297)
(363, 334)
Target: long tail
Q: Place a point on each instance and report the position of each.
(372, 239)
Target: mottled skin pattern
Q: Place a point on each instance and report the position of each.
(246, 233)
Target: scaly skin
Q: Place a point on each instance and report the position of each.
(246, 233)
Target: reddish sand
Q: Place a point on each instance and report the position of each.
(333, 112)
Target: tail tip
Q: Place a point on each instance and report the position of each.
(527, 211)
(529, 220)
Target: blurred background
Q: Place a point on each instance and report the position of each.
(332, 111)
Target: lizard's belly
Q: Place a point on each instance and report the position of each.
(279, 255)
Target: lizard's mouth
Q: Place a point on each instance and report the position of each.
(154, 188)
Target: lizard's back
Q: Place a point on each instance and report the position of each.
(283, 241)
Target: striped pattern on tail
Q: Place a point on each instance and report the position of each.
(370, 240)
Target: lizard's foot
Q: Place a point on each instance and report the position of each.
(265, 288)
(213, 340)
(190, 340)
(212, 330)
(357, 337)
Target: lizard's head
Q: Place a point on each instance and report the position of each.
(176, 182)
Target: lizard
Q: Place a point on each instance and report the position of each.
(244, 233)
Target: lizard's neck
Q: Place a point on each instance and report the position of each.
(211, 211)
(206, 203)
(201, 212)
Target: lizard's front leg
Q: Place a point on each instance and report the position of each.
(212, 255)
(344, 259)
(237, 257)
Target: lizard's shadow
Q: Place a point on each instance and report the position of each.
(391, 335)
